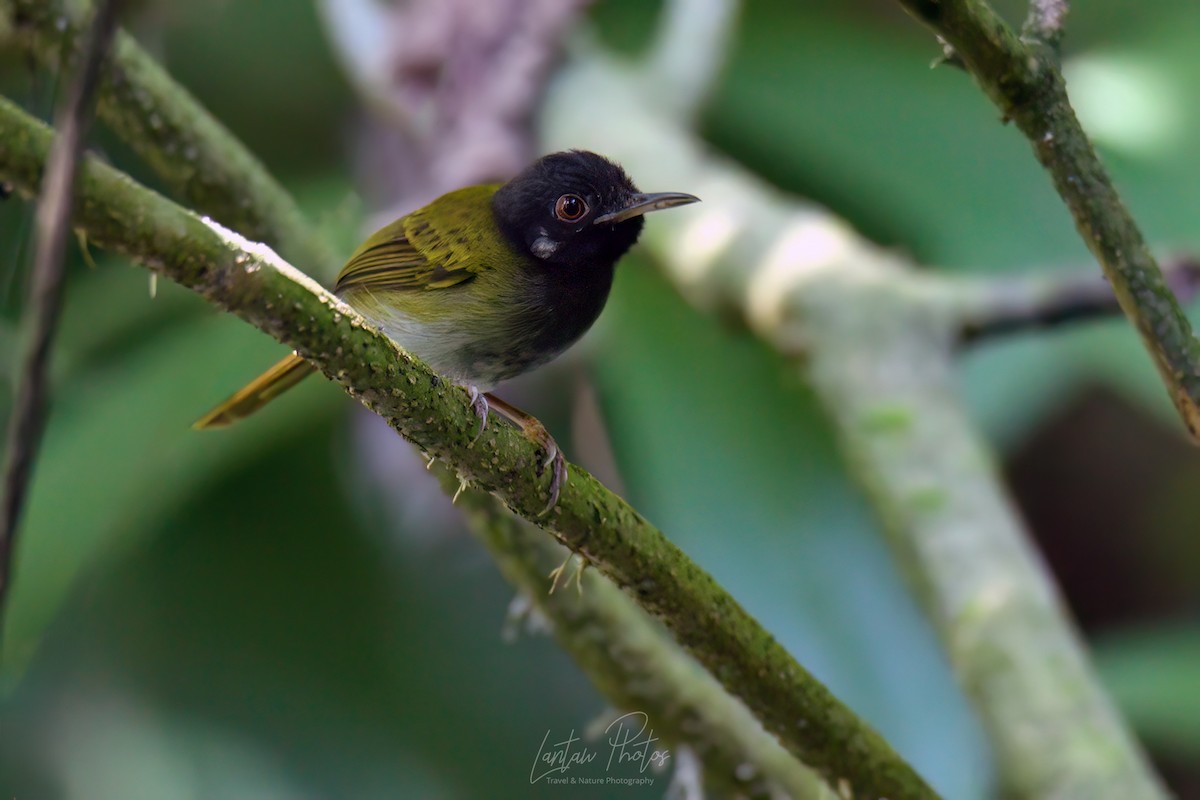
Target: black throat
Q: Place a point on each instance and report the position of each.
(566, 260)
(562, 297)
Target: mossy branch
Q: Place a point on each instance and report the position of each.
(1023, 79)
(877, 339)
(193, 153)
(636, 665)
(252, 282)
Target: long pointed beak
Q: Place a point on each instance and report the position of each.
(639, 204)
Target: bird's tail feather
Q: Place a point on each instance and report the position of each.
(256, 394)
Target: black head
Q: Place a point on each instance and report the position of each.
(575, 208)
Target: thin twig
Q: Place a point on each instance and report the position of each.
(48, 279)
(252, 282)
(1025, 83)
(998, 306)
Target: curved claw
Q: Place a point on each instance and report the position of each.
(558, 475)
(554, 460)
(479, 404)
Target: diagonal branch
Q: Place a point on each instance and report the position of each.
(637, 667)
(252, 282)
(1024, 81)
(53, 226)
(188, 148)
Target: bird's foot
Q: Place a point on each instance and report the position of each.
(479, 404)
(536, 432)
(554, 461)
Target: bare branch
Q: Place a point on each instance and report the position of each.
(997, 306)
(638, 667)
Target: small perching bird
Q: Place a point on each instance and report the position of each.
(488, 282)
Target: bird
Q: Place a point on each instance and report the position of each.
(488, 282)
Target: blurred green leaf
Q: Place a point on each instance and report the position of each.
(110, 312)
(138, 371)
(119, 450)
(1154, 676)
(845, 110)
(265, 612)
(264, 70)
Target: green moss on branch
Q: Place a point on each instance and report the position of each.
(633, 662)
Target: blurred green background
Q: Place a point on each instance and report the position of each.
(291, 610)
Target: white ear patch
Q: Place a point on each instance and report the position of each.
(543, 247)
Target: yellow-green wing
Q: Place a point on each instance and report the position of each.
(389, 261)
(434, 247)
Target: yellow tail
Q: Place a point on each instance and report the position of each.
(256, 394)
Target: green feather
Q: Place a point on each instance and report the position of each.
(447, 243)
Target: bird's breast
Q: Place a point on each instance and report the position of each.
(496, 326)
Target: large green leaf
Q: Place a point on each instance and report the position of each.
(119, 451)
(1154, 675)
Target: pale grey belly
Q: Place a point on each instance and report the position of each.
(481, 357)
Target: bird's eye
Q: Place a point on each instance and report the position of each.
(570, 208)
